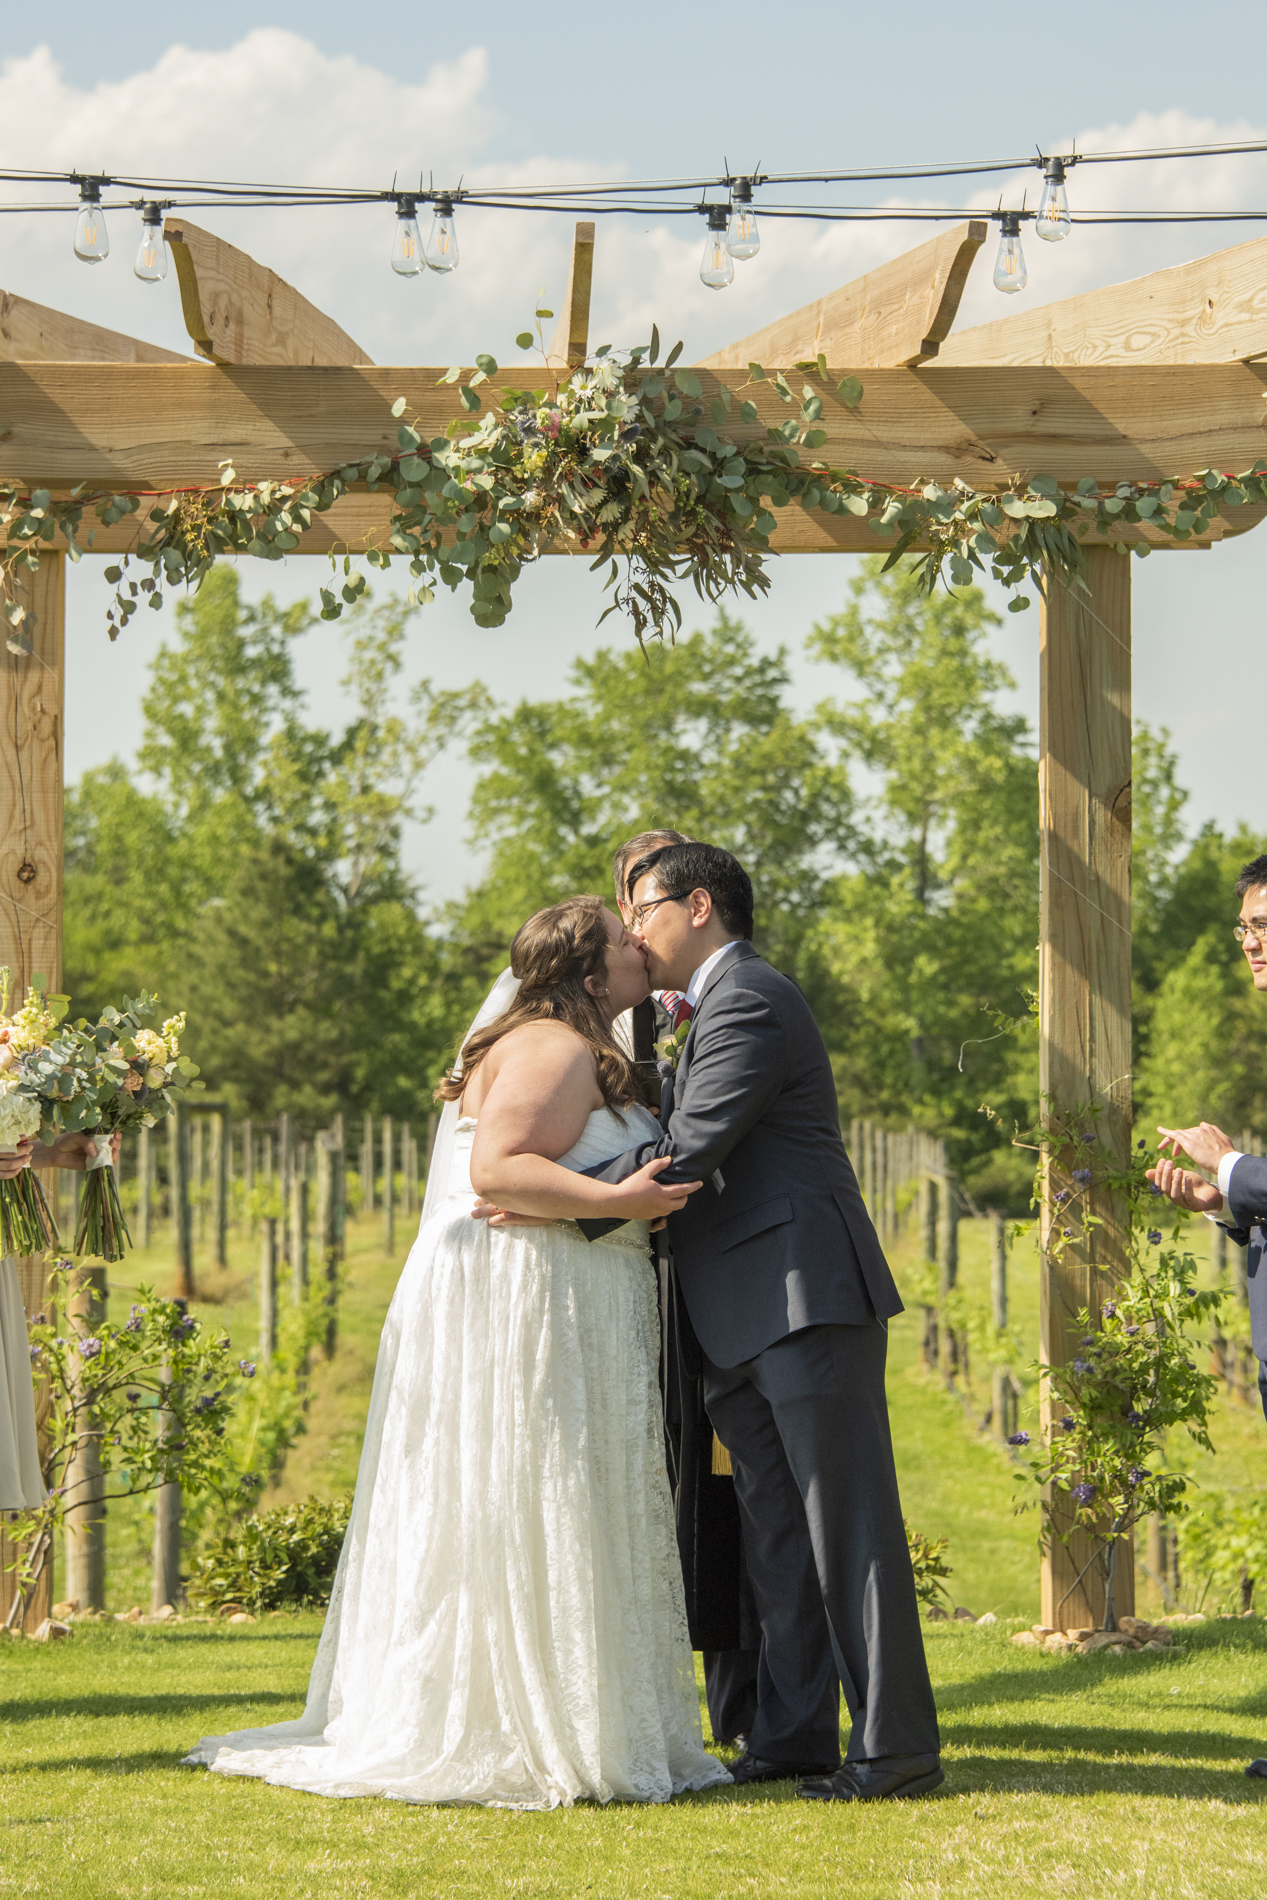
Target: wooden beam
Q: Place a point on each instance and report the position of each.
(1213, 310)
(1084, 985)
(32, 333)
(118, 425)
(570, 345)
(238, 311)
(895, 315)
(31, 881)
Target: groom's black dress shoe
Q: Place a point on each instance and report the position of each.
(891, 1780)
(1258, 1767)
(752, 1768)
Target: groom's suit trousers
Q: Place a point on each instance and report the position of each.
(807, 1429)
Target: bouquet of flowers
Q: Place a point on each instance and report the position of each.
(96, 1077)
(26, 1225)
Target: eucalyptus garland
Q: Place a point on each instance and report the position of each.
(625, 462)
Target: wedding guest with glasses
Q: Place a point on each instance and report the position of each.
(1236, 1197)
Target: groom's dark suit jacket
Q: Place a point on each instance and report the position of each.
(779, 1237)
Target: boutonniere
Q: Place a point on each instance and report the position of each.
(669, 1049)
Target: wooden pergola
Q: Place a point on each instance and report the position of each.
(1159, 376)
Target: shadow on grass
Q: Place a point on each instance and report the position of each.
(112, 1707)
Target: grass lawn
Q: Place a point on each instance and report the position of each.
(1094, 1776)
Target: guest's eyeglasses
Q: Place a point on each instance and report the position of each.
(640, 912)
(1257, 930)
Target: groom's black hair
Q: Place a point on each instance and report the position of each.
(701, 867)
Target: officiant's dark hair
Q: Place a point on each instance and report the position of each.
(702, 867)
(552, 955)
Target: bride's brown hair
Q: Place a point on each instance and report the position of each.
(552, 955)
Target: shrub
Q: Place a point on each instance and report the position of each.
(928, 1561)
(285, 1558)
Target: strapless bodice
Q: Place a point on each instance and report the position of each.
(604, 1135)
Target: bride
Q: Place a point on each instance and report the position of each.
(507, 1623)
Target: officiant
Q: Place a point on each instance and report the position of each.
(720, 1608)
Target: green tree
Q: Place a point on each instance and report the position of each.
(927, 946)
(694, 736)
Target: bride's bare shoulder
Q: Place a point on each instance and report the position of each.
(544, 1058)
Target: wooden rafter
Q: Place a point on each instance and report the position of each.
(240, 312)
(32, 333)
(1213, 310)
(570, 344)
(895, 316)
(158, 426)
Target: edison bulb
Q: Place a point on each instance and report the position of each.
(1010, 274)
(442, 244)
(92, 245)
(407, 243)
(151, 256)
(1053, 221)
(742, 236)
(717, 268)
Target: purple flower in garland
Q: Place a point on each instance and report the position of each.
(1136, 1475)
(1066, 1233)
(90, 1349)
(1088, 1339)
(1060, 1198)
(134, 1324)
(1082, 1365)
(1130, 1331)
(1083, 1493)
(1019, 1438)
(1107, 1311)
(35, 1353)
(205, 1402)
(1082, 1176)
(1067, 1424)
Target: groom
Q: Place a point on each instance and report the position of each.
(788, 1292)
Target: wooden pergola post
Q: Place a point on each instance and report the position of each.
(31, 883)
(1085, 977)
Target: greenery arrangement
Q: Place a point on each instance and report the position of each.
(1224, 1542)
(99, 1077)
(26, 1222)
(1101, 1467)
(152, 1399)
(281, 1559)
(622, 461)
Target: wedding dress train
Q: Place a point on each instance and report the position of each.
(507, 1624)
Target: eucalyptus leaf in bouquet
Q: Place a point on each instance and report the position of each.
(95, 1078)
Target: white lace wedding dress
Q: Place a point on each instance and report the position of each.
(507, 1625)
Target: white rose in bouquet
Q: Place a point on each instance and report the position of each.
(19, 1117)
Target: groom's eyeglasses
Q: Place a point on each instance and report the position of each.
(1257, 929)
(640, 912)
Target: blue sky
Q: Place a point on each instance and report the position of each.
(336, 95)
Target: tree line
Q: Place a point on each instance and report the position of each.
(249, 866)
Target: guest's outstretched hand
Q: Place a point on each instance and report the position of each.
(1206, 1144)
(1185, 1188)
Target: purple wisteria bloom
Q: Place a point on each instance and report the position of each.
(134, 1324)
(133, 1398)
(1067, 1233)
(1061, 1197)
(247, 1368)
(1130, 1331)
(1082, 1365)
(1083, 1493)
(1154, 1236)
(1082, 1176)
(1136, 1475)
(1067, 1424)
(90, 1349)
(1135, 1418)
(35, 1353)
(1019, 1438)
(1107, 1311)
(1154, 1190)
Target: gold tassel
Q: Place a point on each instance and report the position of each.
(722, 1467)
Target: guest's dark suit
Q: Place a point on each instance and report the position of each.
(1247, 1207)
(787, 1289)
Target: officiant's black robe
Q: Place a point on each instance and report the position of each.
(720, 1607)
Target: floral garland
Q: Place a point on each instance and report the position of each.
(624, 463)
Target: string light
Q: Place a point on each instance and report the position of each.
(743, 240)
(718, 266)
(442, 245)
(92, 244)
(151, 257)
(407, 243)
(1053, 221)
(1010, 274)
